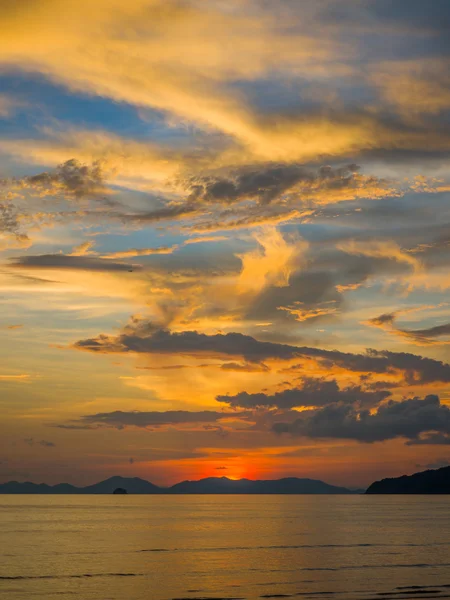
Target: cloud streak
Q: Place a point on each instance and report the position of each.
(150, 419)
(143, 337)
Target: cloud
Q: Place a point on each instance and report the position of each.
(245, 368)
(384, 320)
(83, 249)
(204, 88)
(272, 193)
(414, 15)
(167, 213)
(70, 177)
(404, 419)
(311, 284)
(333, 146)
(421, 337)
(7, 105)
(144, 337)
(312, 393)
(425, 336)
(43, 443)
(129, 163)
(271, 182)
(244, 217)
(205, 239)
(140, 252)
(197, 88)
(153, 419)
(415, 88)
(381, 249)
(272, 263)
(23, 378)
(305, 314)
(162, 249)
(11, 234)
(70, 261)
(431, 439)
(30, 203)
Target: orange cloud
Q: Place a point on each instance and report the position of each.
(272, 264)
(305, 314)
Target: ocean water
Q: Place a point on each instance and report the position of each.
(163, 547)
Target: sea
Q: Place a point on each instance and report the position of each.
(193, 547)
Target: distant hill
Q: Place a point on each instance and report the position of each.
(223, 485)
(132, 485)
(426, 482)
(14, 487)
(211, 485)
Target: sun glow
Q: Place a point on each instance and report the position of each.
(233, 469)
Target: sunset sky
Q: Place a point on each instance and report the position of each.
(224, 239)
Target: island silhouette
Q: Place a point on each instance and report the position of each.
(435, 481)
(432, 481)
(210, 485)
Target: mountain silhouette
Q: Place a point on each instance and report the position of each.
(133, 485)
(210, 485)
(426, 482)
(223, 485)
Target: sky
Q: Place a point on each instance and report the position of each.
(224, 239)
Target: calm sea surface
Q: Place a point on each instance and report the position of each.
(162, 547)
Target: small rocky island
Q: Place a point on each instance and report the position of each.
(120, 490)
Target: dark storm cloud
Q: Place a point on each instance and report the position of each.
(63, 261)
(141, 336)
(406, 419)
(313, 393)
(120, 419)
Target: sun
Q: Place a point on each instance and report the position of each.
(233, 470)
